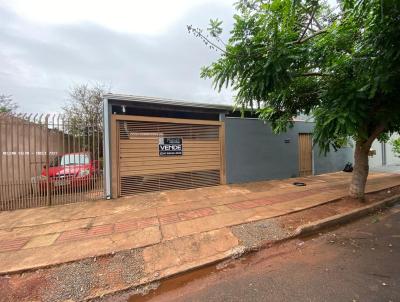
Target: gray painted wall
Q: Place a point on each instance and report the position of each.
(254, 152)
(333, 161)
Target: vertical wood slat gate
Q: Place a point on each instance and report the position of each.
(305, 154)
(142, 169)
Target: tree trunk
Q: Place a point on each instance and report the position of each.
(360, 171)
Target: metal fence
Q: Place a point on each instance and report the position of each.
(49, 160)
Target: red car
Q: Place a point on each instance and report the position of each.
(76, 170)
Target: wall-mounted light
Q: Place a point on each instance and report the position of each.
(287, 141)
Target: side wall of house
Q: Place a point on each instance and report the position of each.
(334, 161)
(377, 159)
(254, 152)
(391, 157)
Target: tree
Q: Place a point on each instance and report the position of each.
(396, 146)
(85, 104)
(7, 104)
(339, 65)
(83, 114)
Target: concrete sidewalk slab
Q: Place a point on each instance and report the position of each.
(189, 249)
(56, 253)
(42, 237)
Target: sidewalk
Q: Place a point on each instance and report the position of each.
(393, 168)
(159, 234)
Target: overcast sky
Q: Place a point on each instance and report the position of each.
(136, 47)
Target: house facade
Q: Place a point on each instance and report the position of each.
(153, 144)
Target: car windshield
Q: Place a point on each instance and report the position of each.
(74, 159)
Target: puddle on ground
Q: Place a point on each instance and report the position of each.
(184, 279)
(175, 282)
(242, 263)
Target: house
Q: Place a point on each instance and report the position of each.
(153, 144)
(382, 154)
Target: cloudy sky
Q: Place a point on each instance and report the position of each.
(135, 47)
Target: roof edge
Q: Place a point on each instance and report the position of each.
(165, 101)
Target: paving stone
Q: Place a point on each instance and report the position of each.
(146, 222)
(100, 230)
(72, 235)
(43, 229)
(186, 215)
(13, 244)
(263, 202)
(95, 228)
(217, 221)
(76, 250)
(42, 240)
(123, 214)
(134, 224)
(169, 218)
(198, 204)
(249, 204)
(80, 234)
(190, 249)
(136, 238)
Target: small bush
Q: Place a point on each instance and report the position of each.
(396, 146)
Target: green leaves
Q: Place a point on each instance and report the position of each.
(215, 28)
(347, 77)
(7, 104)
(396, 146)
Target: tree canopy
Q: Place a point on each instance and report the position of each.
(396, 146)
(85, 105)
(340, 65)
(83, 115)
(7, 104)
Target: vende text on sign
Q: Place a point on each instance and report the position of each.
(170, 146)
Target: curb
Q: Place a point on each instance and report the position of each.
(303, 230)
(240, 250)
(315, 226)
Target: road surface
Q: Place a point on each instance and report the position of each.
(356, 262)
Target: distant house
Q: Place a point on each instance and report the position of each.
(384, 155)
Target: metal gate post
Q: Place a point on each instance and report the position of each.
(48, 199)
(106, 150)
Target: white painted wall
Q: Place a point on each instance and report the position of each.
(391, 158)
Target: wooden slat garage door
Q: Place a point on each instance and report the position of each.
(142, 169)
(305, 154)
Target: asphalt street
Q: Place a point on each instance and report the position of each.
(356, 262)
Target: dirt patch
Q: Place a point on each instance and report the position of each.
(75, 281)
(122, 268)
(292, 221)
(21, 288)
(253, 234)
(72, 281)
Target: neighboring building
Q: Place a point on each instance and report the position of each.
(384, 155)
(156, 144)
